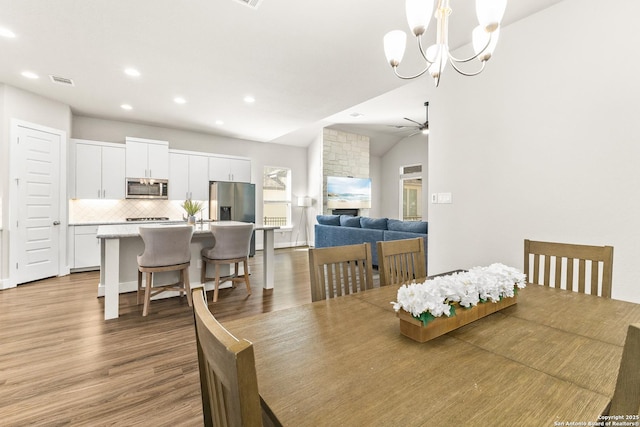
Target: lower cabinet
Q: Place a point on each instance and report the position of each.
(86, 247)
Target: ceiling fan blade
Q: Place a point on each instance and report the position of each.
(403, 127)
(415, 133)
(413, 121)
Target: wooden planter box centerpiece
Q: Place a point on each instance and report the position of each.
(417, 331)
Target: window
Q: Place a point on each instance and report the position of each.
(276, 196)
(411, 185)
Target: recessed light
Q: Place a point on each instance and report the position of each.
(249, 99)
(30, 75)
(356, 115)
(132, 72)
(5, 32)
(179, 100)
(126, 107)
(219, 122)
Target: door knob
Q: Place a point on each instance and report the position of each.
(56, 222)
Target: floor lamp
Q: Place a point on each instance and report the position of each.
(304, 203)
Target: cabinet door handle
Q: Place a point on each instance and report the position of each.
(104, 194)
(98, 193)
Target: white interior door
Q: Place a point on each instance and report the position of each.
(36, 228)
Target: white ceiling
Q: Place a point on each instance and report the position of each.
(308, 64)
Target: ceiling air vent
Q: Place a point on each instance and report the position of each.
(61, 80)
(251, 3)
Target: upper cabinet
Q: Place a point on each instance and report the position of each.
(147, 158)
(98, 170)
(188, 176)
(229, 169)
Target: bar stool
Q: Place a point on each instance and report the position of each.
(231, 245)
(166, 248)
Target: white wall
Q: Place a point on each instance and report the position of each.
(261, 155)
(314, 180)
(375, 173)
(408, 151)
(544, 144)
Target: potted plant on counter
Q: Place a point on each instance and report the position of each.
(192, 208)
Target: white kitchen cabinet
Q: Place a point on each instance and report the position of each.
(188, 176)
(86, 247)
(147, 158)
(99, 170)
(178, 176)
(199, 177)
(229, 169)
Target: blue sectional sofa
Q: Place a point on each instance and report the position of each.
(339, 230)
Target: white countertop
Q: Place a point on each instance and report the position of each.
(116, 231)
(169, 221)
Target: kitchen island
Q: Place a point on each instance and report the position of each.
(120, 244)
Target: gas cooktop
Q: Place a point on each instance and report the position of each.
(159, 218)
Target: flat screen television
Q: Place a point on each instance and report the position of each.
(348, 193)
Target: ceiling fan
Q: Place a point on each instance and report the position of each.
(419, 127)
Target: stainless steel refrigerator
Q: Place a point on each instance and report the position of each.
(233, 201)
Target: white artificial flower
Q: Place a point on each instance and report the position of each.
(467, 289)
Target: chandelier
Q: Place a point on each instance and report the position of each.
(485, 36)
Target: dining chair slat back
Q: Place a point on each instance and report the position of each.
(401, 261)
(340, 270)
(626, 397)
(228, 380)
(571, 263)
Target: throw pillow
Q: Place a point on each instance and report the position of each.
(375, 223)
(328, 219)
(350, 221)
(408, 226)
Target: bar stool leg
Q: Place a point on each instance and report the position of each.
(215, 291)
(246, 276)
(147, 293)
(139, 295)
(187, 285)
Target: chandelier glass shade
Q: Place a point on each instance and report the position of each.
(419, 12)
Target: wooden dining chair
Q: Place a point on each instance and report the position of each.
(340, 270)
(228, 379)
(626, 397)
(401, 261)
(564, 258)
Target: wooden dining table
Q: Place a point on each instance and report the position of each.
(552, 359)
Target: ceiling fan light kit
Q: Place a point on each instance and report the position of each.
(485, 36)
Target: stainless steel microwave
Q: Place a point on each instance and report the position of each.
(147, 188)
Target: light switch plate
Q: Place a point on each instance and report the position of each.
(444, 197)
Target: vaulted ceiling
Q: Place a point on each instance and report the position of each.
(307, 64)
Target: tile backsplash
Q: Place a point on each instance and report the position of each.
(81, 210)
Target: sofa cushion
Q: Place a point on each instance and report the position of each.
(328, 219)
(407, 226)
(350, 221)
(329, 235)
(374, 223)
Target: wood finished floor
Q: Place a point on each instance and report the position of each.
(62, 364)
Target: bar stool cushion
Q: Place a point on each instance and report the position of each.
(232, 244)
(166, 248)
